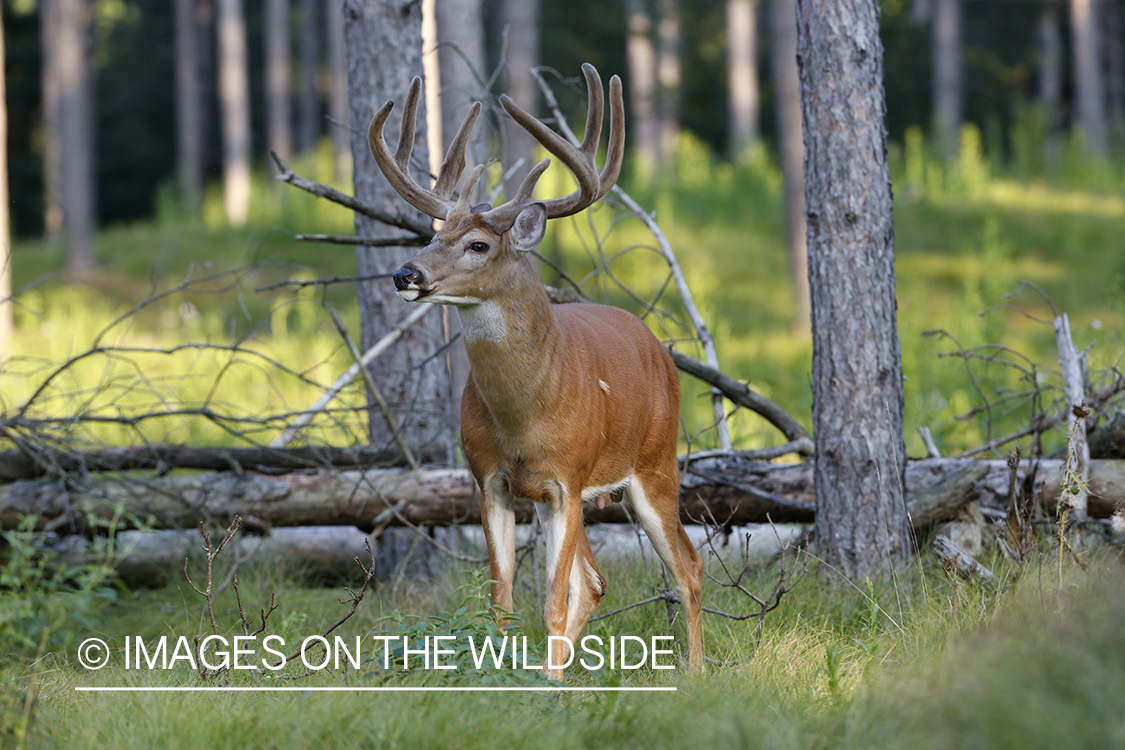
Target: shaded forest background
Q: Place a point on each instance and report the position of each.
(1003, 59)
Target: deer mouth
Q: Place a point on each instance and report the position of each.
(414, 294)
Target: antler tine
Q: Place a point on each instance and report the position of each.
(406, 133)
(527, 187)
(594, 93)
(615, 149)
(454, 163)
(504, 215)
(396, 167)
(463, 202)
(592, 185)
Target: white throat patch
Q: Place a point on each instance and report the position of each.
(483, 322)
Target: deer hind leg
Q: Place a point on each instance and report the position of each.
(498, 518)
(655, 497)
(587, 587)
(561, 518)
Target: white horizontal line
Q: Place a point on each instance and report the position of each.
(391, 689)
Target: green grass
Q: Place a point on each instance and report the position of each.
(926, 661)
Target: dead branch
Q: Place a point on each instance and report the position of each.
(210, 553)
(1077, 449)
(1044, 423)
(741, 394)
(335, 239)
(376, 393)
(354, 599)
(958, 559)
(320, 190)
(349, 375)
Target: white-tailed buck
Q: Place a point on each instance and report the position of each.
(563, 404)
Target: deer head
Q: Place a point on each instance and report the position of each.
(474, 254)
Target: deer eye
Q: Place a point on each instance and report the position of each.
(479, 247)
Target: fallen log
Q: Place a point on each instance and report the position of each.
(958, 559)
(716, 489)
(1108, 441)
(30, 464)
(328, 553)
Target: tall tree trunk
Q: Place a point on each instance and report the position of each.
(52, 120)
(791, 148)
(640, 53)
(742, 73)
(5, 227)
(76, 110)
(1049, 85)
(920, 11)
(279, 131)
(947, 89)
(460, 37)
(308, 108)
(338, 91)
(234, 103)
(384, 46)
(189, 107)
(1115, 65)
(521, 20)
(461, 58)
(670, 78)
(861, 520)
(1089, 94)
(431, 80)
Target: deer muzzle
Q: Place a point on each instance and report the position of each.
(408, 281)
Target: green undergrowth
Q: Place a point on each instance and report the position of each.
(968, 233)
(923, 660)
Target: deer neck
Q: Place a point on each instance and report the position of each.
(512, 341)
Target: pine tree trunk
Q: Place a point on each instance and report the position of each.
(338, 93)
(521, 18)
(742, 73)
(76, 113)
(1050, 83)
(461, 58)
(189, 107)
(1089, 95)
(308, 110)
(669, 76)
(947, 90)
(460, 35)
(640, 53)
(1114, 29)
(234, 104)
(279, 132)
(5, 233)
(384, 49)
(862, 523)
(791, 145)
(52, 119)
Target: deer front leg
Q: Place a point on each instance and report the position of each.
(498, 518)
(561, 519)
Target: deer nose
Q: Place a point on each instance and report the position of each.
(406, 276)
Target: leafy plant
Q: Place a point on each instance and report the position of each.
(465, 632)
(44, 604)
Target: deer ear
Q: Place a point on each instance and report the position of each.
(529, 227)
